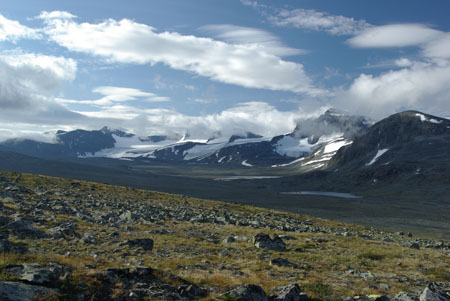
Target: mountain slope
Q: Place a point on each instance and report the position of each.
(73, 240)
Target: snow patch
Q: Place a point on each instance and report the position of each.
(335, 146)
(290, 163)
(246, 164)
(378, 155)
(432, 120)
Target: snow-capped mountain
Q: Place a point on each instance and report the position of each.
(318, 139)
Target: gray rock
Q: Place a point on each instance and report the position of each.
(127, 216)
(289, 293)
(36, 274)
(144, 243)
(287, 237)
(65, 230)
(402, 296)
(263, 241)
(433, 292)
(88, 238)
(414, 245)
(281, 262)
(229, 239)
(249, 292)
(241, 238)
(17, 291)
(191, 291)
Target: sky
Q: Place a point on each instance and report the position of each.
(215, 67)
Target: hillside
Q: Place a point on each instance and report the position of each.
(71, 240)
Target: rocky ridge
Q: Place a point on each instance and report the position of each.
(61, 238)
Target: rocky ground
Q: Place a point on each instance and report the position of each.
(72, 240)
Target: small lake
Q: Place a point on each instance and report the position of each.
(327, 193)
(233, 178)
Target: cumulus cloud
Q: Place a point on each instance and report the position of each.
(421, 86)
(125, 41)
(395, 35)
(113, 95)
(27, 80)
(257, 117)
(11, 30)
(247, 35)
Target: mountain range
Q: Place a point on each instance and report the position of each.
(332, 129)
(396, 171)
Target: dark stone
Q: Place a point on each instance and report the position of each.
(144, 243)
(263, 241)
(249, 292)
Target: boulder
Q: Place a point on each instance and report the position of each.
(290, 292)
(434, 292)
(249, 292)
(229, 239)
(402, 296)
(64, 230)
(263, 241)
(281, 262)
(36, 274)
(144, 243)
(191, 291)
(17, 291)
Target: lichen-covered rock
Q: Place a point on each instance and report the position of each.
(37, 274)
(263, 241)
(282, 262)
(249, 292)
(289, 293)
(434, 292)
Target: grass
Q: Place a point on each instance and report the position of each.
(322, 265)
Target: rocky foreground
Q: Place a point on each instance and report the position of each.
(72, 240)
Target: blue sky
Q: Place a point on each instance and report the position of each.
(209, 66)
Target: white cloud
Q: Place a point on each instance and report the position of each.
(438, 48)
(126, 41)
(57, 14)
(5, 134)
(396, 35)
(27, 80)
(11, 30)
(309, 19)
(61, 67)
(257, 117)
(421, 86)
(117, 94)
(319, 21)
(246, 35)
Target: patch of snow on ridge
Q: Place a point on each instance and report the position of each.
(379, 154)
(435, 121)
(290, 163)
(432, 120)
(246, 164)
(422, 117)
(335, 146)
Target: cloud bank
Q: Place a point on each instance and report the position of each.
(248, 65)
